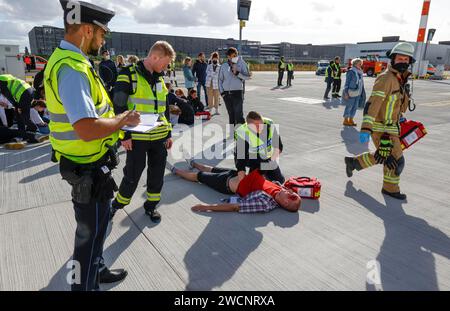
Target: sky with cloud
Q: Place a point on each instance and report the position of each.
(295, 21)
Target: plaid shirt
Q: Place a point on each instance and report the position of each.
(257, 202)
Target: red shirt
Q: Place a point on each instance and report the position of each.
(254, 182)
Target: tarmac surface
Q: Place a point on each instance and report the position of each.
(354, 238)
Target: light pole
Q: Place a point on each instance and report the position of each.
(243, 12)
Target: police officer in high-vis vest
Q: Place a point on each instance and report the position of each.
(20, 94)
(141, 87)
(290, 73)
(336, 74)
(382, 116)
(328, 80)
(83, 134)
(281, 70)
(258, 146)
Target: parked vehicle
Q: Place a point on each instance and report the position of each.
(431, 70)
(372, 65)
(37, 62)
(322, 66)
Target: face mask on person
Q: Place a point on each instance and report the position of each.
(107, 57)
(401, 67)
(234, 60)
(215, 61)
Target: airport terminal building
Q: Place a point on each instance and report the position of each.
(437, 54)
(43, 40)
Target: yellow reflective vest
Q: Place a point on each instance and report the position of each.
(63, 137)
(147, 99)
(257, 146)
(15, 86)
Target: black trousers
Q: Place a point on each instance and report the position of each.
(290, 74)
(7, 135)
(23, 118)
(217, 179)
(92, 217)
(329, 86)
(9, 113)
(280, 77)
(92, 224)
(336, 86)
(235, 106)
(154, 155)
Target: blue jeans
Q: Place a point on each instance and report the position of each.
(351, 105)
(199, 86)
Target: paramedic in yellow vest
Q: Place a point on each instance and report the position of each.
(281, 69)
(141, 87)
(382, 114)
(20, 95)
(258, 146)
(83, 134)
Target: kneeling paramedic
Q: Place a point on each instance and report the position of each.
(20, 94)
(382, 115)
(141, 87)
(258, 146)
(84, 133)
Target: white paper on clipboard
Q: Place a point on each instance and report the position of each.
(148, 123)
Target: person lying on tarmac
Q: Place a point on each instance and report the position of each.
(257, 194)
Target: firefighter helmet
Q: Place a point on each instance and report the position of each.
(403, 48)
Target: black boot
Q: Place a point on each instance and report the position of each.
(115, 206)
(155, 216)
(112, 276)
(395, 195)
(350, 166)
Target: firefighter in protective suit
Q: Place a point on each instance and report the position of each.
(382, 116)
(141, 87)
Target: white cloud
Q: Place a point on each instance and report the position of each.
(30, 10)
(277, 20)
(391, 18)
(322, 7)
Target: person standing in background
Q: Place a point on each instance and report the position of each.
(329, 80)
(354, 93)
(108, 71)
(281, 69)
(189, 78)
(336, 73)
(232, 75)
(199, 72)
(212, 83)
(290, 73)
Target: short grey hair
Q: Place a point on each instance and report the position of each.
(355, 61)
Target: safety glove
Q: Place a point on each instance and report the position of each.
(391, 163)
(384, 150)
